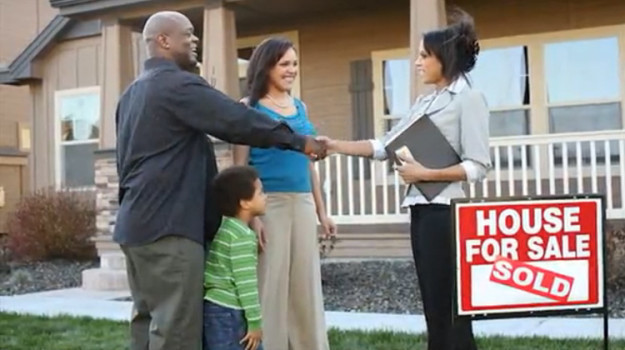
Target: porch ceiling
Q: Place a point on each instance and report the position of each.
(252, 11)
(247, 11)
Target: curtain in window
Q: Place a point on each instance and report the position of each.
(582, 70)
(500, 75)
(397, 86)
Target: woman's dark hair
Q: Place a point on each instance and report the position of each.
(233, 185)
(264, 58)
(455, 46)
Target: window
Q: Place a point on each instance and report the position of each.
(537, 84)
(391, 71)
(77, 134)
(396, 82)
(583, 89)
(501, 74)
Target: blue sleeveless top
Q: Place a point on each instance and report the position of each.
(284, 170)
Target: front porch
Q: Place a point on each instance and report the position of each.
(542, 165)
(363, 196)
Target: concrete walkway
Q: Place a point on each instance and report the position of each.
(77, 302)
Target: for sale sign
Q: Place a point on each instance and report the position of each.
(529, 255)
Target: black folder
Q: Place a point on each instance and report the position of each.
(428, 147)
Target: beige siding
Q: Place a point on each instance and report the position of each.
(70, 65)
(500, 18)
(20, 22)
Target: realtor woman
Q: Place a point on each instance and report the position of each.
(289, 268)
(446, 56)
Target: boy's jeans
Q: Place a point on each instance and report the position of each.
(223, 328)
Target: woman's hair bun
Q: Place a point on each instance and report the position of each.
(468, 47)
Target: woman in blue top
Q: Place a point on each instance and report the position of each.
(289, 268)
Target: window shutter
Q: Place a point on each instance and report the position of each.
(361, 89)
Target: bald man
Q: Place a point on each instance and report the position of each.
(166, 163)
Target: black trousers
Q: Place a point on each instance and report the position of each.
(431, 237)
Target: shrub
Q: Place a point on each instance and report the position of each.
(615, 255)
(53, 224)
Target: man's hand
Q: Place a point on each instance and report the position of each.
(259, 228)
(253, 339)
(329, 143)
(412, 171)
(315, 149)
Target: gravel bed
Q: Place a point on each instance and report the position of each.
(391, 287)
(382, 286)
(41, 276)
(371, 286)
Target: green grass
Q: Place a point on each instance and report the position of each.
(65, 333)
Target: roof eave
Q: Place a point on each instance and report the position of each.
(20, 71)
(71, 8)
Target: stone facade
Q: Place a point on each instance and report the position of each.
(111, 275)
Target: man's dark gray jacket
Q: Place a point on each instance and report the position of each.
(165, 161)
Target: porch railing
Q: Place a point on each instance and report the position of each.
(361, 191)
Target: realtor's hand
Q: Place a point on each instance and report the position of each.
(315, 149)
(259, 228)
(329, 143)
(412, 171)
(252, 339)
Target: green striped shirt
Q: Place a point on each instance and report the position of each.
(230, 276)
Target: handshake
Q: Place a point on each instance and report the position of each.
(318, 148)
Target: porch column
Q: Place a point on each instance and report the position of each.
(219, 62)
(117, 72)
(425, 15)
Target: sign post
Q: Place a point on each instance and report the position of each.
(530, 256)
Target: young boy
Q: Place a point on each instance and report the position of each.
(231, 305)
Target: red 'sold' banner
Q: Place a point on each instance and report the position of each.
(529, 255)
(532, 279)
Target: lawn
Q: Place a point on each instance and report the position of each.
(66, 333)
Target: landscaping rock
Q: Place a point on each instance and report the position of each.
(381, 286)
(42, 276)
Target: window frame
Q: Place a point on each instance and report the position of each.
(59, 143)
(539, 107)
(377, 60)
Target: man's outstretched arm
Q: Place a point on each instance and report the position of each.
(212, 112)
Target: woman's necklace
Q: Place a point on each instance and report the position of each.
(287, 105)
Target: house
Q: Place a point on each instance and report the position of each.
(20, 23)
(552, 72)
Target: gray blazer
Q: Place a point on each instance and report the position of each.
(461, 114)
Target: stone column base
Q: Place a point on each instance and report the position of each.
(111, 275)
(104, 280)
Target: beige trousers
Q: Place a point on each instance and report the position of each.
(290, 275)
